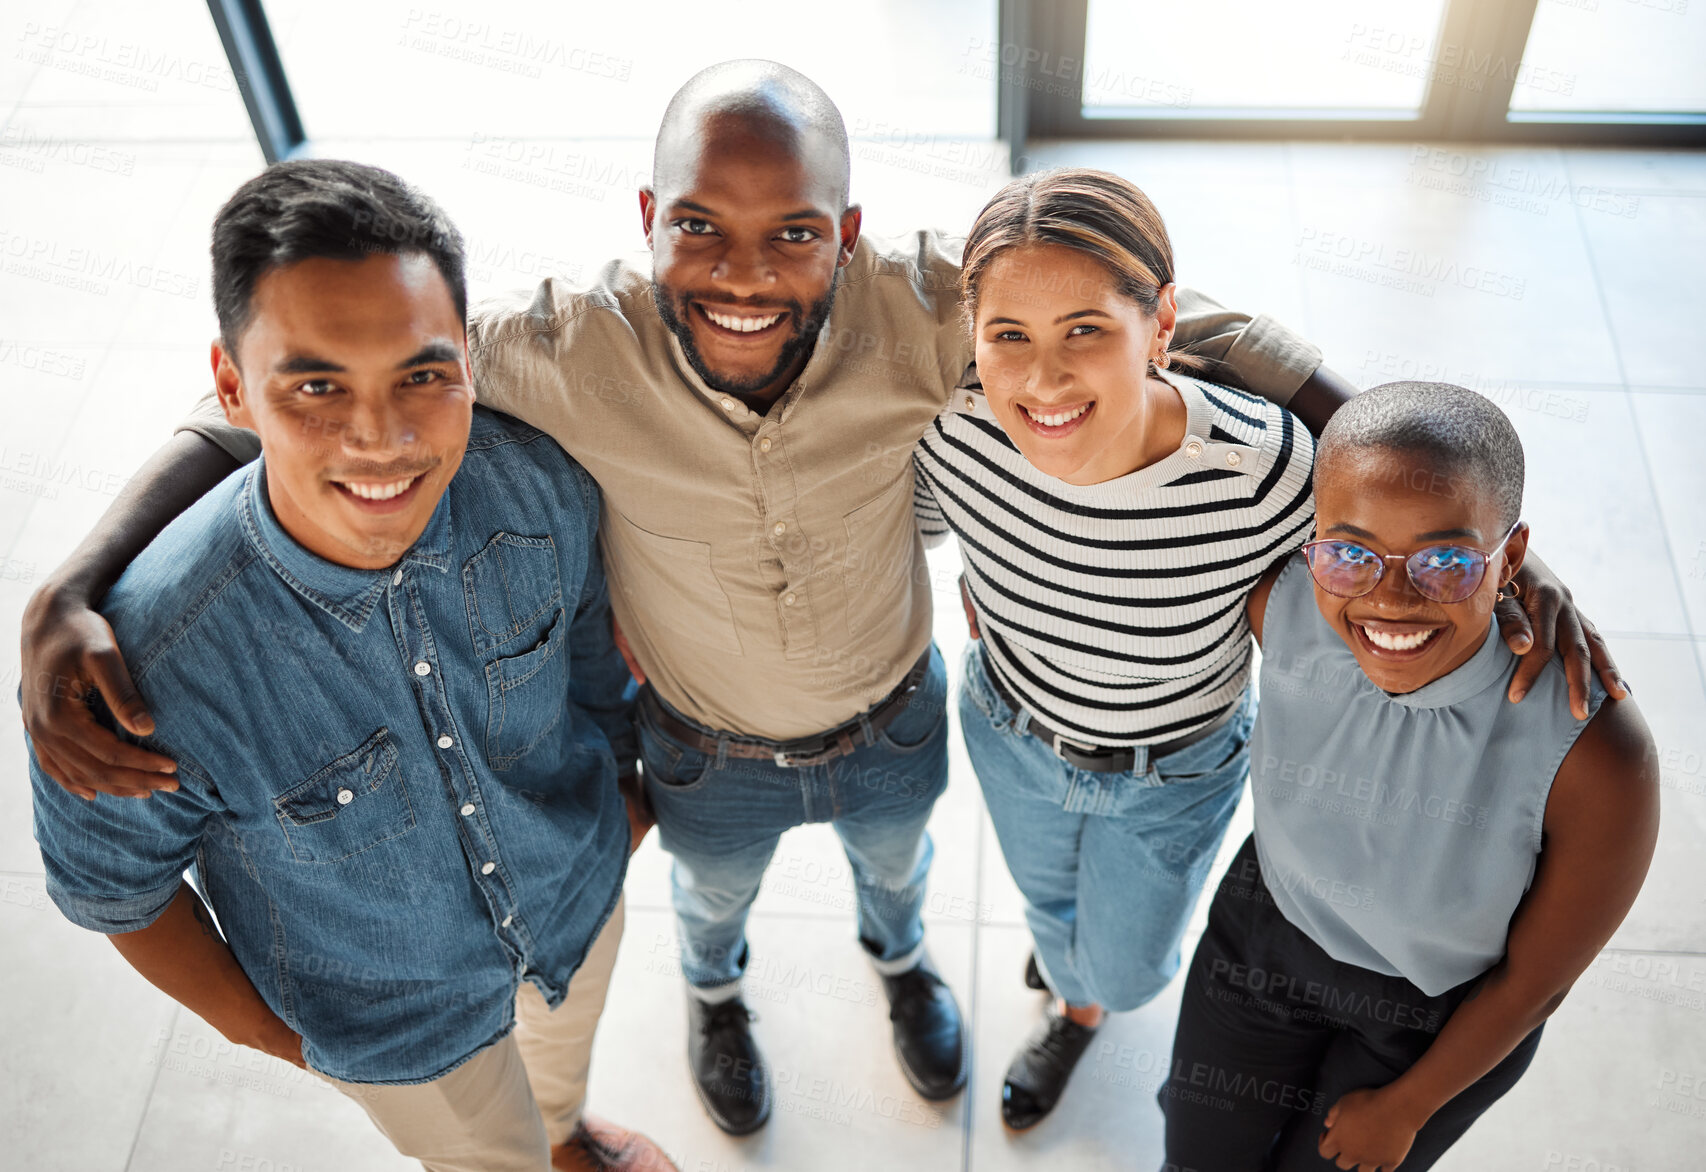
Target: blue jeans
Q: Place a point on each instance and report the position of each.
(721, 820)
(1110, 864)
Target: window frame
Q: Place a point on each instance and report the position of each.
(1040, 95)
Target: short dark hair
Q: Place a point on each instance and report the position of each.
(1459, 432)
(306, 208)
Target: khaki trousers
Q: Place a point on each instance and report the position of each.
(504, 1109)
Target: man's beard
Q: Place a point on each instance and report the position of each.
(673, 309)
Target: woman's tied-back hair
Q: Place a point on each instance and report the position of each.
(1096, 212)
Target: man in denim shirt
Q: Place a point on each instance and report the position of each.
(382, 659)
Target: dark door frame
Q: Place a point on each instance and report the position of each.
(255, 63)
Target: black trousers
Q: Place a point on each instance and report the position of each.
(1272, 1031)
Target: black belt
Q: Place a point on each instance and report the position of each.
(837, 742)
(1093, 758)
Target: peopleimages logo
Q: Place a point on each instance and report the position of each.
(1326, 889)
(1413, 270)
(1293, 780)
(1335, 1002)
(85, 269)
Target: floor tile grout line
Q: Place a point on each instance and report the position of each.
(970, 1025)
(153, 1085)
(1635, 422)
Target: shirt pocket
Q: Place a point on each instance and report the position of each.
(670, 584)
(527, 696)
(877, 571)
(513, 593)
(356, 802)
(519, 625)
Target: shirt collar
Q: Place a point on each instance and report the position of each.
(345, 592)
(1480, 671)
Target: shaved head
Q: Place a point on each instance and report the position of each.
(1454, 430)
(753, 99)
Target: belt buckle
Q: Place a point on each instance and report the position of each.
(800, 759)
(1082, 750)
(837, 744)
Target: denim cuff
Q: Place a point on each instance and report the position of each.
(716, 994)
(900, 964)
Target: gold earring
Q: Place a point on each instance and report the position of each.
(1162, 360)
(1515, 591)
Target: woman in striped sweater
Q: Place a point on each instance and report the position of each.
(1114, 513)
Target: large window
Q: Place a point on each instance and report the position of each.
(919, 76)
(1287, 60)
(1625, 71)
(1613, 57)
(525, 69)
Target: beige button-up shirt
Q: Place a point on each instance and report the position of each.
(767, 569)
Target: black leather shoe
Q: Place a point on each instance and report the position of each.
(1034, 975)
(1040, 1069)
(728, 1069)
(929, 1038)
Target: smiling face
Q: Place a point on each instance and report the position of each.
(1063, 356)
(747, 232)
(355, 376)
(1393, 502)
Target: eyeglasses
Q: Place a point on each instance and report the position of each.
(1443, 573)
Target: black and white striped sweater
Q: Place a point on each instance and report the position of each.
(1115, 611)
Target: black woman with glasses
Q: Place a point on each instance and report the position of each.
(1432, 866)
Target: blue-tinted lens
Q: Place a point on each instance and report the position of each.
(1447, 573)
(1344, 567)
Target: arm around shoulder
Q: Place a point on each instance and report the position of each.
(69, 649)
(1261, 354)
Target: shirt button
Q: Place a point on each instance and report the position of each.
(788, 599)
(423, 668)
(971, 403)
(467, 810)
(445, 742)
(728, 404)
(508, 920)
(1193, 449)
(397, 578)
(779, 528)
(1233, 459)
(488, 868)
(764, 444)
(345, 797)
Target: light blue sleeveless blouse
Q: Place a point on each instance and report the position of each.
(1399, 832)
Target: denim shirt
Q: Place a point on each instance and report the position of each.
(397, 787)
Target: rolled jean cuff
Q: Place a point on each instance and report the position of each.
(900, 964)
(716, 994)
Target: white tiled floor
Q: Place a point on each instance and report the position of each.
(1564, 284)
